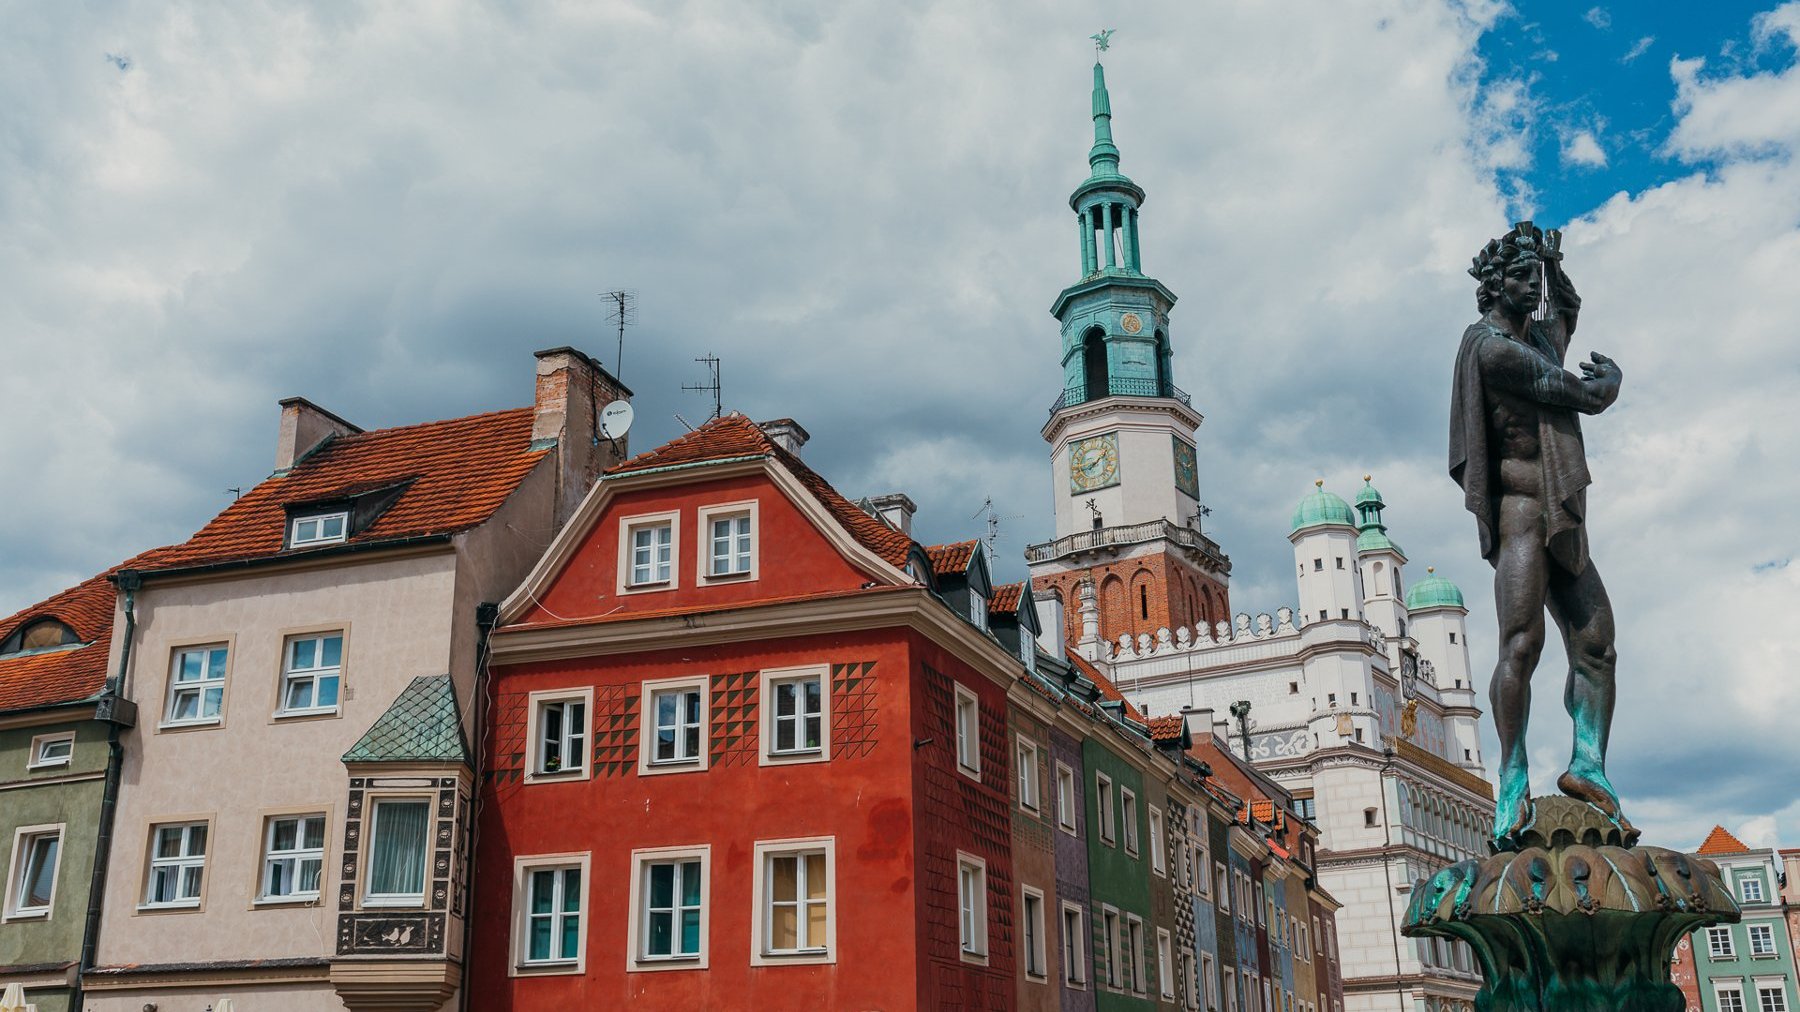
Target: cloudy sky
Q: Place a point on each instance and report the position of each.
(860, 207)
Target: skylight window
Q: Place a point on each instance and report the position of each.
(39, 634)
(318, 529)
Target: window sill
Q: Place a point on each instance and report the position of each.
(287, 715)
(793, 957)
(973, 958)
(648, 588)
(562, 967)
(27, 915)
(311, 900)
(393, 901)
(650, 964)
(169, 908)
(654, 768)
(556, 776)
(54, 764)
(817, 755)
(1067, 829)
(746, 575)
(189, 725)
(972, 772)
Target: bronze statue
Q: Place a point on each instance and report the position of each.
(1516, 450)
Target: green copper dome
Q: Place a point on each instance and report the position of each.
(1433, 592)
(1322, 507)
(1368, 496)
(1374, 536)
(1375, 539)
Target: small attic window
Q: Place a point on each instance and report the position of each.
(39, 634)
(978, 609)
(318, 529)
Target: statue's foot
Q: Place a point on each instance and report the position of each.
(1512, 814)
(1591, 786)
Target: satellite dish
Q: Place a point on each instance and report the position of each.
(615, 419)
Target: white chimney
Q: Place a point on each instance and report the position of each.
(896, 509)
(304, 425)
(1199, 721)
(786, 433)
(1050, 619)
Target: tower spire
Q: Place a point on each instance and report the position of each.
(1103, 157)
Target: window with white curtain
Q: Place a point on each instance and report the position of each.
(293, 856)
(177, 865)
(397, 846)
(795, 920)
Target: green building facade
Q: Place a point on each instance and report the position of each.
(1748, 966)
(1125, 969)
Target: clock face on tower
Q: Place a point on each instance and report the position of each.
(1187, 473)
(1094, 463)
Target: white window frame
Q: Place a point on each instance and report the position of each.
(25, 839)
(966, 716)
(627, 557)
(1713, 949)
(1721, 988)
(1112, 931)
(1069, 802)
(1231, 991)
(636, 960)
(1158, 863)
(1128, 819)
(1165, 964)
(1768, 931)
(1074, 946)
(295, 540)
(1745, 882)
(978, 609)
(1134, 934)
(518, 965)
(703, 568)
(1103, 808)
(763, 852)
(1221, 884)
(771, 679)
(294, 856)
(40, 743)
(290, 674)
(179, 863)
(536, 703)
(1764, 987)
(648, 764)
(1031, 789)
(971, 908)
(1209, 982)
(175, 688)
(1034, 922)
(371, 898)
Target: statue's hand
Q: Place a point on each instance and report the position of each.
(1601, 368)
(1552, 247)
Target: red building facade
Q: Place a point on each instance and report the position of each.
(745, 750)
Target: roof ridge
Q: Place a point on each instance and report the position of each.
(339, 439)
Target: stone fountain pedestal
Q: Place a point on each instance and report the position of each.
(1578, 918)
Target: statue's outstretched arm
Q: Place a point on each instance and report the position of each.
(1511, 367)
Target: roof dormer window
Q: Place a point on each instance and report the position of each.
(39, 634)
(978, 608)
(319, 529)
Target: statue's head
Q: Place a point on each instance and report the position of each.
(1507, 269)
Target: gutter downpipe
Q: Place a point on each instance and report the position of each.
(487, 615)
(128, 583)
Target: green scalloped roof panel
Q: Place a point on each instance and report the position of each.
(422, 725)
(1433, 592)
(1375, 539)
(1322, 507)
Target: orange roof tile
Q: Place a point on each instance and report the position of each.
(1006, 598)
(1107, 689)
(61, 676)
(1721, 842)
(952, 559)
(733, 435)
(459, 472)
(1166, 728)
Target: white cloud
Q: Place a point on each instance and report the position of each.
(1581, 149)
(1599, 17)
(1638, 48)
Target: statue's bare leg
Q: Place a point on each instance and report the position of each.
(1581, 609)
(1521, 575)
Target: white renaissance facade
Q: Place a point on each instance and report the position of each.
(1362, 705)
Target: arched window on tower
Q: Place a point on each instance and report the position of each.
(1165, 386)
(1093, 364)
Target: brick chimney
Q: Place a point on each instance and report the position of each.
(787, 434)
(304, 425)
(571, 390)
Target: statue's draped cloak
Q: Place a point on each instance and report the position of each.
(1475, 466)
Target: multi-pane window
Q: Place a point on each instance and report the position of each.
(196, 684)
(971, 902)
(1771, 997)
(552, 921)
(1103, 797)
(1718, 943)
(397, 851)
(34, 886)
(319, 529)
(177, 865)
(561, 736)
(1074, 945)
(1157, 862)
(1115, 965)
(1750, 888)
(1035, 957)
(1762, 940)
(730, 542)
(309, 682)
(1134, 953)
(1128, 813)
(968, 731)
(1731, 998)
(51, 750)
(676, 723)
(673, 894)
(1028, 775)
(1165, 963)
(293, 854)
(796, 902)
(1065, 797)
(652, 553)
(799, 715)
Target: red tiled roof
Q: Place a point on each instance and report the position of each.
(1721, 842)
(1163, 729)
(734, 435)
(1107, 689)
(460, 471)
(952, 559)
(61, 676)
(1006, 598)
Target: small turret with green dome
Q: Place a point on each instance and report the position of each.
(1373, 536)
(1321, 508)
(1433, 592)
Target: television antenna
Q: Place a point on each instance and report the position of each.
(623, 311)
(711, 385)
(993, 518)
